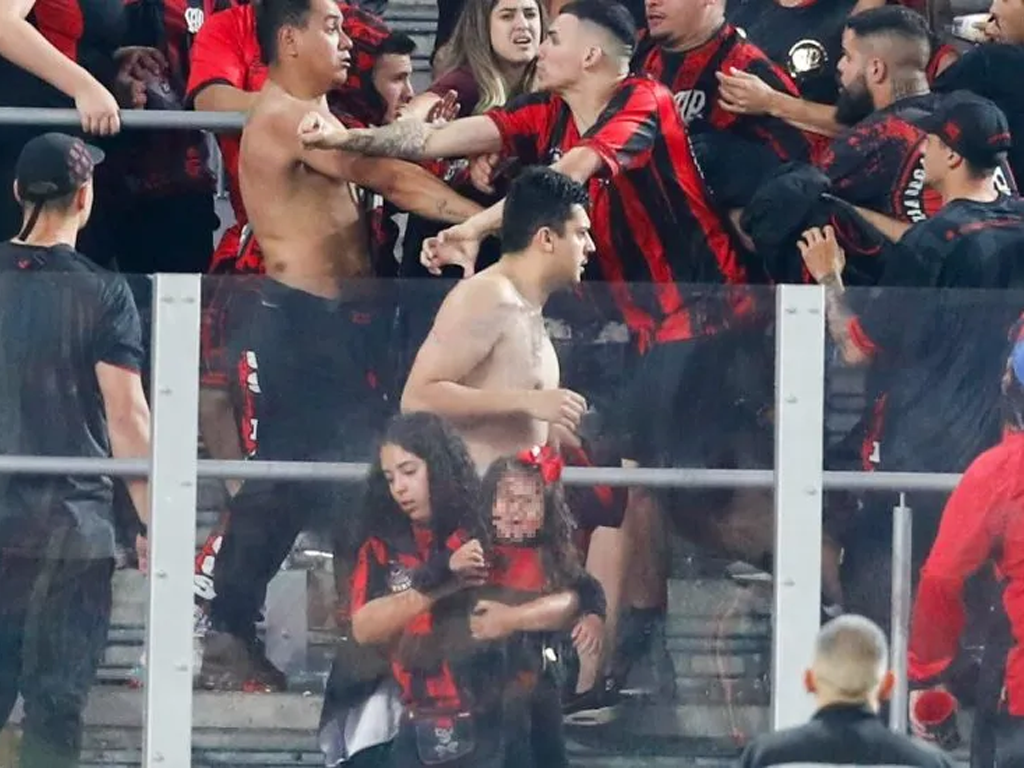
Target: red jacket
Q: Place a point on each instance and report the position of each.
(983, 520)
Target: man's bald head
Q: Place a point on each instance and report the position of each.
(850, 661)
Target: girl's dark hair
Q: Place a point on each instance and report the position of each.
(558, 550)
(454, 483)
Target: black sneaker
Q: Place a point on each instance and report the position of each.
(598, 706)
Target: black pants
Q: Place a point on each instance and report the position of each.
(54, 617)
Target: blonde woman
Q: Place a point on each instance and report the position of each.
(489, 58)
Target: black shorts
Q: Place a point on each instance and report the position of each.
(311, 375)
(703, 403)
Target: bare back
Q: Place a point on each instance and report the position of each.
(304, 213)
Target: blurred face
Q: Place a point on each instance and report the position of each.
(392, 79)
(1008, 18)
(562, 55)
(518, 513)
(515, 31)
(321, 45)
(855, 101)
(572, 249)
(408, 480)
(672, 20)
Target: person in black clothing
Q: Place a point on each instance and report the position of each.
(935, 359)
(990, 70)
(849, 680)
(70, 355)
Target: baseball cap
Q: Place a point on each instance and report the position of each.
(970, 125)
(54, 165)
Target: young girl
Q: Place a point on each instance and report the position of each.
(534, 554)
(414, 586)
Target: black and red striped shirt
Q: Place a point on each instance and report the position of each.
(653, 221)
(421, 668)
(691, 76)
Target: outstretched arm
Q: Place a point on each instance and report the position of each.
(406, 139)
(411, 188)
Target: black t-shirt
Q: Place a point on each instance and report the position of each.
(806, 41)
(60, 316)
(939, 354)
(993, 71)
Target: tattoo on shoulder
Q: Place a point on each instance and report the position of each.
(404, 139)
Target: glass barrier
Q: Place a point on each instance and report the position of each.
(284, 565)
(72, 602)
(918, 379)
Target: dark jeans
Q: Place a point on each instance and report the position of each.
(54, 617)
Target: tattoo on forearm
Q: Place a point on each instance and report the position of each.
(405, 139)
(837, 312)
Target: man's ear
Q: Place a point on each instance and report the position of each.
(886, 687)
(14, 187)
(809, 684)
(877, 71)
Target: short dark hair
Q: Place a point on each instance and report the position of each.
(895, 21)
(539, 197)
(271, 17)
(607, 14)
(397, 44)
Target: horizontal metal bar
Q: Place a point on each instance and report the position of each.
(616, 476)
(130, 118)
(890, 481)
(78, 467)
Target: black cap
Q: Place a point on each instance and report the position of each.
(54, 165)
(971, 126)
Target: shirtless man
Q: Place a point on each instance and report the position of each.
(488, 364)
(310, 356)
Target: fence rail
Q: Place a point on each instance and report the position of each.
(130, 119)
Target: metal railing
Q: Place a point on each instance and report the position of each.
(798, 479)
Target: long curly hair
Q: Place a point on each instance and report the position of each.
(451, 476)
(471, 48)
(559, 553)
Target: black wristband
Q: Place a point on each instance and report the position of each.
(433, 574)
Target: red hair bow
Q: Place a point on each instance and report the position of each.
(546, 459)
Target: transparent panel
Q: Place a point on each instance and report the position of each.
(917, 384)
(73, 605)
(291, 377)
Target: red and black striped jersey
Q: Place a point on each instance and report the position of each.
(651, 214)
(692, 77)
(424, 674)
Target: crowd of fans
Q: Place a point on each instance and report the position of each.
(699, 148)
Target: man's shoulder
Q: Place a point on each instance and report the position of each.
(15, 257)
(817, 744)
(489, 289)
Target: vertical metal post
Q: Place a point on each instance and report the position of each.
(174, 399)
(799, 445)
(902, 526)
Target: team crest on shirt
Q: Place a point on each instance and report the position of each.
(194, 18)
(690, 104)
(399, 578)
(806, 57)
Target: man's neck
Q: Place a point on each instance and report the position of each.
(901, 88)
(294, 84)
(977, 190)
(697, 37)
(588, 98)
(526, 273)
(823, 700)
(46, 235)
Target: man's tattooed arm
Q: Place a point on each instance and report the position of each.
(405, 139)
(840, 318)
